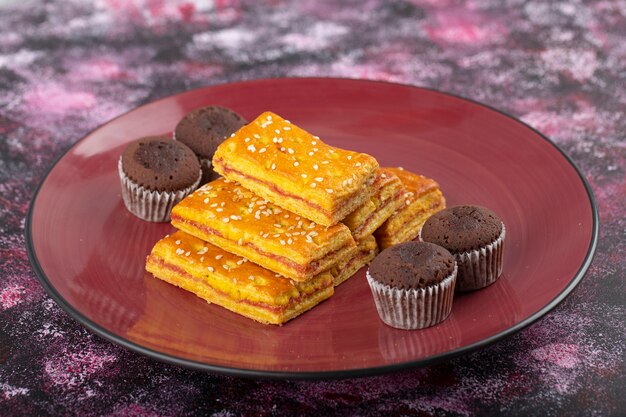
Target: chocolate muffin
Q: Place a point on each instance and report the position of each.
(203, 130)
(413, 284)
(156, 173)
(475, 236)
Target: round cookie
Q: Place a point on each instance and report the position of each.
(413, 284)
(204, 129)
(156, 173)
(475, 237)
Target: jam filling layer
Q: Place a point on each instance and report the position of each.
(310, 267)
(274, 309)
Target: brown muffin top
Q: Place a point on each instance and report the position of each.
(412, 265)
(462, 228)
(204, 129)
(160, 163)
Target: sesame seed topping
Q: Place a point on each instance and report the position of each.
(240, 262)
(240, 242)
(315, 149)
(295, 164)
(329, 191)
(219, 209)
(316, 137)
(275, 139)
(311, 153)
(206, 200)
(277, 131)
(408, 202)
(313, 143)
(303, 175)
(325, 162)
(256, 135)
(286, 128)
(265, 235)
(232, 135)
(218, 257)
(383, 176)
(349, 157)
(290, 151)
(250, 277)
(273, 167)
(178, 242)
(278, 225)
(180, 251)
(187, 253)
(269, 117)
(213, 205)
(235, 217)
(246, 140)
(276, 235)
(235, 280)
(358, 164)
(226, 267)
(286, 216)
(319, 179)
(210, 268)
(282, 242)
(313, 185)
(251, 148)
(225, 219)
(282, 148)
(315, 167)
(262, 150)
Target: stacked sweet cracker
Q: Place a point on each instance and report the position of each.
(291, 218)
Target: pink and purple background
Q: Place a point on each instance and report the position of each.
(68, 66)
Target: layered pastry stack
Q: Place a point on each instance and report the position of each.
(290, 219)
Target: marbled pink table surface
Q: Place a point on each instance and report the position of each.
(68, 66)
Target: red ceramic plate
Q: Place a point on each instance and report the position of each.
(89, 252)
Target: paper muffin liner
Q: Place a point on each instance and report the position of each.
(481, 267)
(413, 308)
(152, 206)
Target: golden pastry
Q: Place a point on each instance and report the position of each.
(232, 282)
(387, 198)
(366, 250)
(229, 216)
(422, 198)
(292, 168)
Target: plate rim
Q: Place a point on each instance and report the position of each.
(309, 375)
